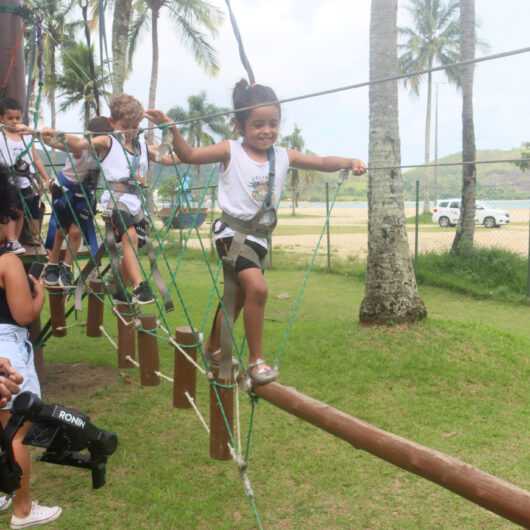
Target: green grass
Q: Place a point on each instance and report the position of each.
(423, 219)
(485, 273)
(457, 382)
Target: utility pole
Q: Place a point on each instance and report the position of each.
(12, 69)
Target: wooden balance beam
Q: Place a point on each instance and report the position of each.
(475, 485)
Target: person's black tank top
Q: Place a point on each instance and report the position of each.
(5, 314)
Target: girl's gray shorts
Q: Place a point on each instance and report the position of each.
(16, 346)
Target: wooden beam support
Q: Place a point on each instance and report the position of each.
(479, 487)
(184, 374)
(95, 309)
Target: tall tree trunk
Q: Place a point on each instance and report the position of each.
(91, 63)
(427, 172)
(12, 69)
(465, 232)
(155, 13)
(121, 24)
(391, 294)
(52, 83)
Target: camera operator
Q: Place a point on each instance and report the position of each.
(20, 303)
(9, 381)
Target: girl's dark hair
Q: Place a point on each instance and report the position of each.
(100, 124)
(9, 104)
(7, 195)
(245, 95)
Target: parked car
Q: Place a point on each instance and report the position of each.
(447, 213)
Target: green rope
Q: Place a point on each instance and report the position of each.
(298, 300)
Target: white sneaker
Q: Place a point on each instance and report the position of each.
(14, 247)
(5, 503)
(38, 515)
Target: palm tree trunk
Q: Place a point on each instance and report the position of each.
(120, 41)
(155, 13)
(91, 58)
(390, 294)
(52, 80)
(465, 232)
(427, 176)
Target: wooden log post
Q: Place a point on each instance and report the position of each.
(148, 351)
(479, 487)
(57, 300)
(221, 406)
(12, 54)
(184, 374)
(95, 309)
(126, 337)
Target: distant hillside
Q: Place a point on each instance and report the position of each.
(494, 181)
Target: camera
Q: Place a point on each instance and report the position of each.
(64, 434)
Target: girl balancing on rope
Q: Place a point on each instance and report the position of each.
(253, 174)
(123, 159)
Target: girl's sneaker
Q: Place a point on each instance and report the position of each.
(39, 515)
(14, 247)
(52, 275)
(143, 294)
(5, 503)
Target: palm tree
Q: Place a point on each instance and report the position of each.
(77, 82)
(294, 141)
(193, 20)
(121, 27)
(434, 39)
(465, 231)
(391, 294)
(201, 131)
(58, 32)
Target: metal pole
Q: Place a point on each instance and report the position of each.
(436, 147)
(475, 485)
(417, 222)
(528, 266)
(327, 227)
(12, 68)
(212, 217)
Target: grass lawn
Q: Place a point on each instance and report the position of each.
(457, 382)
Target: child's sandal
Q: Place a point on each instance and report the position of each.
(261, 373)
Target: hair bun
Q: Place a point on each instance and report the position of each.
(242, 84)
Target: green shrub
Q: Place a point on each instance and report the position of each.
(484, 272)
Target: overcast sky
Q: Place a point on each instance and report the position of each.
(302, 46)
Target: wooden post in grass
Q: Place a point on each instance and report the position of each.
(221, 417)
(185, 374)
(148, 351)
(57, 317)
(126, 336)
(95, 309)
(479, 487)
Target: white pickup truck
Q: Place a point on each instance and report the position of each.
(447, 213)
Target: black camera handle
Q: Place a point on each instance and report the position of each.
(63, 432)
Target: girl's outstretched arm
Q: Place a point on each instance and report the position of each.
(192, 155)
(325, 163)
